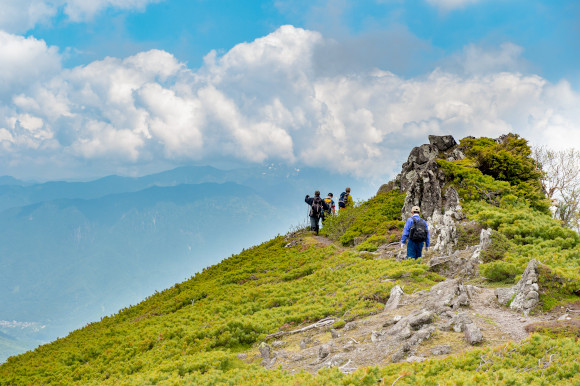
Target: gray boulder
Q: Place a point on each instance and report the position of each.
(442, 142)
(394, 298)
(473, 334)
(524, 296)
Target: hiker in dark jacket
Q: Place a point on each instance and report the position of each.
(416, 233)
(317, 209)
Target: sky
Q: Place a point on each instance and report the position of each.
(90, 88)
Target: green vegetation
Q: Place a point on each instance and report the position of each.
(169, 338)
(374, 220)
(192, 332)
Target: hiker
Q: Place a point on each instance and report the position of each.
(345, 200)
(416, 233)
(317, 209)
(330, 202)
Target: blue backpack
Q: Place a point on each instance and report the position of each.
(342, 200)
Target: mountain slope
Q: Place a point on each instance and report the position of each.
(209, 329)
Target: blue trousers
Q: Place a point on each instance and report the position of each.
(414, 249)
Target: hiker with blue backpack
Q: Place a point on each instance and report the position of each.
(345, 200)
(317, 209)
(416, 233)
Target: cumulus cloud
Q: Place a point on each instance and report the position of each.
(267, 100)
(18, 16)
(25, 61)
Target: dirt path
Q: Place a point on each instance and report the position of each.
(503, 320)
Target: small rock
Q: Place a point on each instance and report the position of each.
(523, 320)
(265, 351)
(350, 326)
(413, 358)
(473, 334)
(324, 351)
(279, 344)
(422, 318)
(441, 350)
(394, 298)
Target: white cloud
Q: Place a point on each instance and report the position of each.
(474, 59)
(25, 61)
(266, 101)
(18, 16)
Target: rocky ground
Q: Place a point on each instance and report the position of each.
(448, 319)
(451, 317)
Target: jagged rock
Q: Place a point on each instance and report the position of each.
(424, 317)
(472, 333)
(422, 154)
(441, 350)
(392, 321)
(421, 335)
(442, 142)
(457, 323)
(524, 295)
(455, 155)
(265, 351)
(324, 351)
(442, 226)
(401, 353)
(484, 242)
(394, 298)
(449, 293)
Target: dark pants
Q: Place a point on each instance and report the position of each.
(414, 249)
(314, 224)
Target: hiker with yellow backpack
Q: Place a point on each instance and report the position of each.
(330, 202)
(345, 200)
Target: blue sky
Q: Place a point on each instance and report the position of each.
(90, 88)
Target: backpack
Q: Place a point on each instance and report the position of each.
(317, 207)
(342, 200)
(418, 231)
(328, 201)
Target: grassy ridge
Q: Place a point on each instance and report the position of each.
(169, 338)
(192, 332)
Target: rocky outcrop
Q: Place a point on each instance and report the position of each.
(442, 142)
(464, 263)
(449, 294)
(524, 296)
(422, 179)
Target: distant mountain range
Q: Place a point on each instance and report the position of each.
(72, 252)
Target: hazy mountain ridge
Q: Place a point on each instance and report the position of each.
(76, 251)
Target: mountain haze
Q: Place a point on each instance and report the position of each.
(73, 252)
